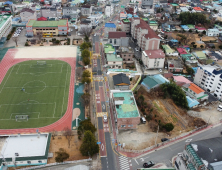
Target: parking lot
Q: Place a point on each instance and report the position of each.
(21, 40)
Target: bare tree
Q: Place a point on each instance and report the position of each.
(15, 39)
(86, 31)
(68, 134)
(79, 72)
(54, 133)
(86, 99)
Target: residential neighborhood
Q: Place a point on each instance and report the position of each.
(110, 85)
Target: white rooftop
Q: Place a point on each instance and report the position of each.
(24, 145)
(209, 68)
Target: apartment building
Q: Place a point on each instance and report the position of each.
(86, 10)
(126, 25)
(5, 25)
(26, 14)
(109, 9)
(144, 36)
(72, 12)
(153, 59)
(218, 90)
(49, 13)
(201, 155)
(207, 77)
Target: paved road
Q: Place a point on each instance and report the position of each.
(165, 155)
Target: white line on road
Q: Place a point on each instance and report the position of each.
(136, 161)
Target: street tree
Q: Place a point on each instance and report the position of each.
(86, 73)
(89, 146)
(85, 54)
(86, 61)
(86, 99)
(86, 80)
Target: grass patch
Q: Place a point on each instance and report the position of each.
(44, 98)
(158, 108)
(174, 118)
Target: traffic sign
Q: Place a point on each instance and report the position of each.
(122, 6)
(98, 143)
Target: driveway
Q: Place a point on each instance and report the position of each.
(138, 54)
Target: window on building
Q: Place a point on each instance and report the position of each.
(29, 162)
(219, 84)
(110, 41)
(218, 87)
(124, 55)
(212, 79)
(128, 59)
(203, 80)
(123, 125)
(62, 29)
(217, 91)
(202, 83)
(210, 85)
(39, 161)
(130, 125)
(114, 41)
(114, 62)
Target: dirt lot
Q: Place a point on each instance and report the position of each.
(163, 111)
(193, 37)
(61, 142)
(208, 113)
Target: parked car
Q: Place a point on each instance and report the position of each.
(164, 139)
(148, 164)
(143, 120)
(105, 118)
(160, 70)
(136, 50)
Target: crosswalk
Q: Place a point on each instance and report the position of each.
(124, 163)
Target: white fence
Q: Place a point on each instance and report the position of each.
(54, 164)
(163, 143)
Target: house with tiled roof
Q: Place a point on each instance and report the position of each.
(152, 82)
(153, 59)
(26, 14)
(143, 35)
(118, 39)
(169, 51)
(114, 61)
(121, 82)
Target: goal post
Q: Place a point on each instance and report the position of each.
(21, 117)
(41, 62)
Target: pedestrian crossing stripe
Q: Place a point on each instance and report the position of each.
(124, 163)
(101, 114)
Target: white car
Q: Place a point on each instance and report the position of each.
(136, 50)
(160, 70)
(94, 35)
(105, 118)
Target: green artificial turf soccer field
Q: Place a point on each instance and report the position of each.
(44, 96)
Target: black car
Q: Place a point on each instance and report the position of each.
(148, 164)
(164, 139)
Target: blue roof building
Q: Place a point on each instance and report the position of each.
(186, 28)
(192, 102)
(110, 25)
(195, 69)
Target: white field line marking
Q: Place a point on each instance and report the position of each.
(18, 69)
(54, 110)
(30, 87)
(64, 90)
(7, 79)
(22, 114)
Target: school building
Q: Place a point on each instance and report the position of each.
(47, 28)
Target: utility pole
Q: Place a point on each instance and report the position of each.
(157, 134)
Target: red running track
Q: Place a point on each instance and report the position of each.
(66, 121)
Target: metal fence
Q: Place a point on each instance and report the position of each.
(164, 143)
(54, 164)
